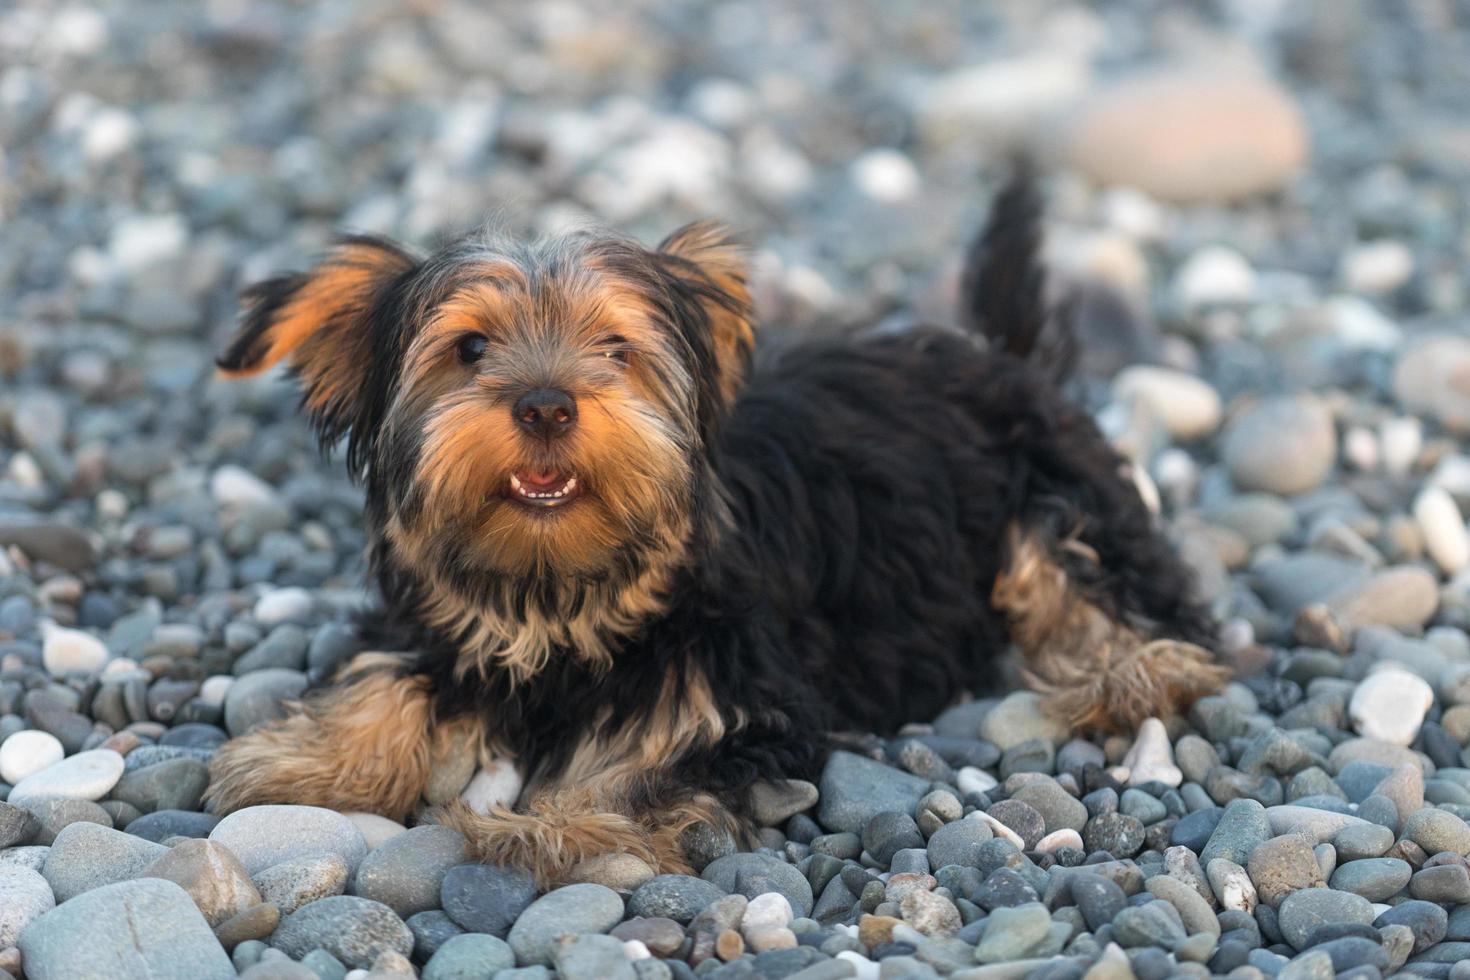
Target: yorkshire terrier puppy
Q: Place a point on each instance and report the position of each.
(655, 561)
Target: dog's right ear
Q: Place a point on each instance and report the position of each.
(318, 321)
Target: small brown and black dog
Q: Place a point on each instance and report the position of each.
(655, 562)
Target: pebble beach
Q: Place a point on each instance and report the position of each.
(1257, 211)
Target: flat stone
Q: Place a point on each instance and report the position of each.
(472, 956)
(294, 884)
(676, 897)
(487, 898)
(1390, 704)
(751, 874)
(160, 825)
(772, 803)
(575, 909)
(174, 784)
(56, 815)
(854, 789)
(1242, 826)
(24, 897)
(263, 836)
(1376, 879)
(1437, 830)
(143, 928)
(84, 776)
(212, 876)
(354, 930)
(1305, 910)
(85, 856)
(1282, 865)
(1189, 134)
(27, 752)
(405, 873)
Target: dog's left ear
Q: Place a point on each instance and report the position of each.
(711, 270)
(319, 322)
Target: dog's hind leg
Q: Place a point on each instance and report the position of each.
(1100, 663)
(368, 742)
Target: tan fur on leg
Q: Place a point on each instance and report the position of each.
(614, 795)
(1095, 672)
(365, 744)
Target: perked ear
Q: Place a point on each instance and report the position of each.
(318, 322)
(712, 266)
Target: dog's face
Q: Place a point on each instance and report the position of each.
(516, 411)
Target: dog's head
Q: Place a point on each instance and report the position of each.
(516, 411)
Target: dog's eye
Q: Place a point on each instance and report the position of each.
(615, 348)
(471, 348)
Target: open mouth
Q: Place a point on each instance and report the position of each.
(543, 488)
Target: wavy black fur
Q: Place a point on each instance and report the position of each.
(871, 480)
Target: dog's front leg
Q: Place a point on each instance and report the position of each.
(367, 742)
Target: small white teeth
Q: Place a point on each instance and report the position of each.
(521, 490)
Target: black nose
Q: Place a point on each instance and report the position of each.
(546, 412)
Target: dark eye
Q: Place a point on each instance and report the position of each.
(615, 348)
(471, 348)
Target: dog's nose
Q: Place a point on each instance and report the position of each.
(546, 412)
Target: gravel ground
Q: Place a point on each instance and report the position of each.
(1259, 207)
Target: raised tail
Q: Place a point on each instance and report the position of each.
(1002, 290)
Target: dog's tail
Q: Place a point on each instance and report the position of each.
(1002, 290)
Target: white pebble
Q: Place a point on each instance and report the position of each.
(1151, 759)
(769, 910)
(66, 651)
(28, 751)
(998, 828)
(112, 504)
(1214, 275)
(119, 667)
(84, 776)
(1360, 449)
(375, 829)
(886, 175)
(214, 689)
(1057, 839)
(1185, 405)
(498, 784)
(1390, 704)
(1401, 438)
(288, 605)
(634, 949)
(972, 780)
(1377, 267)
(865, 969)
(1231, 885)
(1443, 527)
(235, 486)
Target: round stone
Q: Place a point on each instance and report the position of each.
(1190, 135)
(262, 836)
(1390, 705)
(471, 956)
(1187, 407)
(485, 897)
(1284, 445)
(28, 752)
(84, 776)
(405, 873)
(256, 698)
(1376, 879)
(751, 874)
(213, 877)
(677, 897)
(1437, 830)
(577, 909)
(24, 896)
(354, 930)
(1305, 910)
(1429, 380)
(85, 856)
(291, 885)
(146, 928)
(68, 651)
